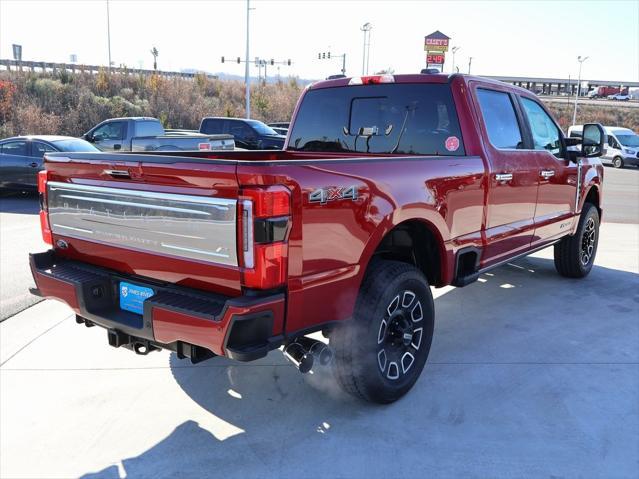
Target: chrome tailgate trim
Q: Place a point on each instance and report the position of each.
(193, 227)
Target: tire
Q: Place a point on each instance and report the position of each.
(374, 359)
(617, 162)
(575, 255)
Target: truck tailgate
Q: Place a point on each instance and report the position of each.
(167, 218)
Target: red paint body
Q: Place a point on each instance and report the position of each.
(330, 245)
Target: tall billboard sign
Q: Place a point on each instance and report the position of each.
(436, 46)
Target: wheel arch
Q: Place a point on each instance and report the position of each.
(416, 241)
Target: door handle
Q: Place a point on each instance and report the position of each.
(547, 173)
(504, 176)
(117, 146)
(34, 165)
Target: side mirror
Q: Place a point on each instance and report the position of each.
(594, 138)
(89, 137)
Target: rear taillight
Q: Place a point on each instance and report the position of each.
(43, 177)
(264, 217)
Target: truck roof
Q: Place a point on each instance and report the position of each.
(437, 78)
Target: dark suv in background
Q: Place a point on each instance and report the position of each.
(248, 134)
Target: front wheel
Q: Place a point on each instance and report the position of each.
(617, 162)
(381, 352)
(575, 255)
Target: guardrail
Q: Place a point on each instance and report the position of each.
(90, 69)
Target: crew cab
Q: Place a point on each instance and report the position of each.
(387, 185)
(148, 134)
(248, 134)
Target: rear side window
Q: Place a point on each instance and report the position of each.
(148, 128)
(14, 148)
(405, 119)
(212, 127)
(544, 131)
(501, 121)
(38, 149)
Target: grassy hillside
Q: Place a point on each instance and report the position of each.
(69, 104)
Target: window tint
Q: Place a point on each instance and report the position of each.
(544, 131)
(212, 127)
(110, 131)
(15, 148)
(240, 130)
(39, 149)
(148, 128)
(500, 119)
(409, 119)
(74, 144)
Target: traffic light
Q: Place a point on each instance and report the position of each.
(289, 62)
(222, 59)
(238, 59)
(324, 55)
(329, 55)
(319, 56)
(272, 62)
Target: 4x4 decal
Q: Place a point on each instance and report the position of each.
(324, 195)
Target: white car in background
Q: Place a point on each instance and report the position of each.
(622, 145)
(619, 97)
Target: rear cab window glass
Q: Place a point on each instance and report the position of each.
(545, 133)
(500, 119)
(148, 128)
(212, 126)
(38, 149)
(403, 119)
(15, 148)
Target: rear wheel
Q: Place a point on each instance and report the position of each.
(617, 162)
(575, 255)
(381, 352)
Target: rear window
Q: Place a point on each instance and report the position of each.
(148, 128)
(408, 119)
(210, 126)
(74, 144)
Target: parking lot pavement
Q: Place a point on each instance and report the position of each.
(530, 375)
(19, 235)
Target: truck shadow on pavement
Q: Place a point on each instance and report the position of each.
(19, 203)
(521, 316)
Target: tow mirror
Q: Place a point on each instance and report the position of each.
(594, 138)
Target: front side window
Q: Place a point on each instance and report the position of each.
(403, 119)
(39, 149)
(612, 143)
(110, 131)
(544, 131)
(500, 119)
(15, 148)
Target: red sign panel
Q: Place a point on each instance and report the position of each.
(435, 58)
(437, 42)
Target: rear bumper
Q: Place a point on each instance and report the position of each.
(243, 328)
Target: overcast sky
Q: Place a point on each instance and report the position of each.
(516, 38)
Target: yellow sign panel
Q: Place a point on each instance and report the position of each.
(435, 48)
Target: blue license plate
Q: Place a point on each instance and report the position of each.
(132, 297)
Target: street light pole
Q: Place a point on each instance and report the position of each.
(109, 32)
(247, 79)
(454, 50)
(366, 28)
(581, 61)
(470, 62)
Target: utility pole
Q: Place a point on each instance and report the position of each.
(109, 32)
(247, 78)
(454, 50)
(581, 61)
(366, 28)
(470, 62)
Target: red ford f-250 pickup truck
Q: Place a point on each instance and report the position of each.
(387, 184)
